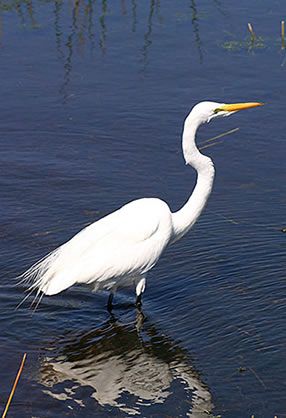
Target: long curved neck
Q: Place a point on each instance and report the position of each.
(185, 218)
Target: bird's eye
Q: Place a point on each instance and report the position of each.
(216, 110)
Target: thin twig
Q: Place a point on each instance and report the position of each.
(257, 377)
(253, 37)
(251, 31)
(282, 35)
(219, 136)
(270, 227)
(53, 231)
(14, 386)
(210, 145)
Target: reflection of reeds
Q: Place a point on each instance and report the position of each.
(147, 36)
(134, 16)
(14, 386)
(88, 26)
(1, 31)
(31, 13)
(196, 28)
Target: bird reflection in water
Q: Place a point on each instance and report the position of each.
(126, 369)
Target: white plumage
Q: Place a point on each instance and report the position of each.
(119, 249)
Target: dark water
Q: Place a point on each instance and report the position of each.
(93, 97)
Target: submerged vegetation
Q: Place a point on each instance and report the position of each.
(255, 42)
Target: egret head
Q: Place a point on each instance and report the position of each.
(206, 111)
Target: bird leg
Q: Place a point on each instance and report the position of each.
(138, 301)
(109, 302)
(140, 287)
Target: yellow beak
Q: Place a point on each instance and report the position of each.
(238, 106)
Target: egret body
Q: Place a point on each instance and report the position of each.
(119, 249)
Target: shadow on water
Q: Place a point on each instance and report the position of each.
(125, 369)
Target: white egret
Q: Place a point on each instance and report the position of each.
(119, 249)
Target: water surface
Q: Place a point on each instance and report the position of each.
(94, 95)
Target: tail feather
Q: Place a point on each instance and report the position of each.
(39, 276)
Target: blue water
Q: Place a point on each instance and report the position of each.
(94, 95)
